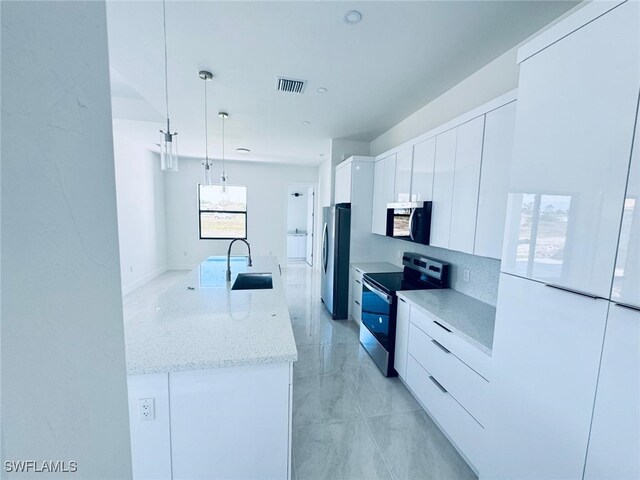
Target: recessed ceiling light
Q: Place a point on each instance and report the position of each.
(307, 122)
(242, 150)
(352, 17)
(321, 90)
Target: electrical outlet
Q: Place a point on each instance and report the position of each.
(184, 253)
(467, 275)
(147, 409)
(131, 269)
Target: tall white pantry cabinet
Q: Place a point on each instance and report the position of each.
(565, 397)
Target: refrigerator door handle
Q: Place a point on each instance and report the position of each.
(325, 247)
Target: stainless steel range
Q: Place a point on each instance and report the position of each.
(379, 303)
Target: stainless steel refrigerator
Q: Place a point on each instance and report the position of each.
(336, 235)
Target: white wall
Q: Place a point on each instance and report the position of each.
(141, 210)
(297, 210)
(494, 79)
(266, 205)
(63, 366)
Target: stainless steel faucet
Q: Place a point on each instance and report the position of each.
(249, 263)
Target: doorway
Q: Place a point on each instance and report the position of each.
(300, 216)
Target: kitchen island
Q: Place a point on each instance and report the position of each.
(209, 375)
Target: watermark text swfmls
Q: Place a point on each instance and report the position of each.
(43, 466)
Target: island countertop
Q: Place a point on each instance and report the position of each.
(200, 323)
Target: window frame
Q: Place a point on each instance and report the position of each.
(200, 212)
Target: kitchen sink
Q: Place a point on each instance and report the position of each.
(253, 281)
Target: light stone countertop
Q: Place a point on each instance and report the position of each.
(376, 267)
(468, 318)
(213, 326)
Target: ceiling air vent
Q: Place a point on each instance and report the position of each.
(290, 85)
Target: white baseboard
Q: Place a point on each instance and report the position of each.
(130, 287)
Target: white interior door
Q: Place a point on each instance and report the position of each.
(311, 214)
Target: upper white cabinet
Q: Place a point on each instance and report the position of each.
(383, 192)
(614, 444)
(626, 281)
(577, 101)
(424, 157)
(445, 163)
(402, 186)
(466, 182)
(342, 192)
(545, 358)
(494, 180)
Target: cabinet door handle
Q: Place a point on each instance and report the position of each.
(442, 326)
(402, 300)
(569, 290)
(358, 281)
(440, 346)
(442, 389)
(357, 302)
(630, 307)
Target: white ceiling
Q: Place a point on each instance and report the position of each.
(401, 56)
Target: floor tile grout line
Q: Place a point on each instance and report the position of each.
(373, 439)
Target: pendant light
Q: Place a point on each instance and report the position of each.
(223, 175)
(169, 140)
(206, 77)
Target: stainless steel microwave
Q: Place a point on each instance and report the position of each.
(409, 221)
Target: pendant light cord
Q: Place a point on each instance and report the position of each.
(206, 128)
(166, 68)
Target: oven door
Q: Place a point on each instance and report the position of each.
(378, 315)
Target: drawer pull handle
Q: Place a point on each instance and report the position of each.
(358, 281)
(357, 302)
(442, 389)
(402, 300)
(630, 307)
(439, 345)
(442, 326)
(569, 290)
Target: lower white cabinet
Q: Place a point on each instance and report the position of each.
(296, 245)
(356, 294)
(224, 423)
(545, 360)
(402, 338)
(614, 445)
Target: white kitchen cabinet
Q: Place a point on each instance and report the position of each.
(424, 156)
(215, 414)
(494, 180)
(626, 281)
(577, 101)
(545, 359)
(342, 183)
(383, 191)
(466, 183)
(614, 445)
(443, 178)
(356, 294)
(402, 185)
(402, 338)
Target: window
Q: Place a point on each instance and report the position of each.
(222, 215)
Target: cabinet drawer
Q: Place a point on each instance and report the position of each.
(460, 427)
(356, 309)
(465, 385)
(432, 326)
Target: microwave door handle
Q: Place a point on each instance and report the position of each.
(382, 295)
(413, 211)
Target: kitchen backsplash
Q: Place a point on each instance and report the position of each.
(484, 273)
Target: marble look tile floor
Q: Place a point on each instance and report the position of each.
(349, 421)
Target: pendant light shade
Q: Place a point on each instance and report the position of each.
(208, 176)
(223, 175)
(168, 140)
